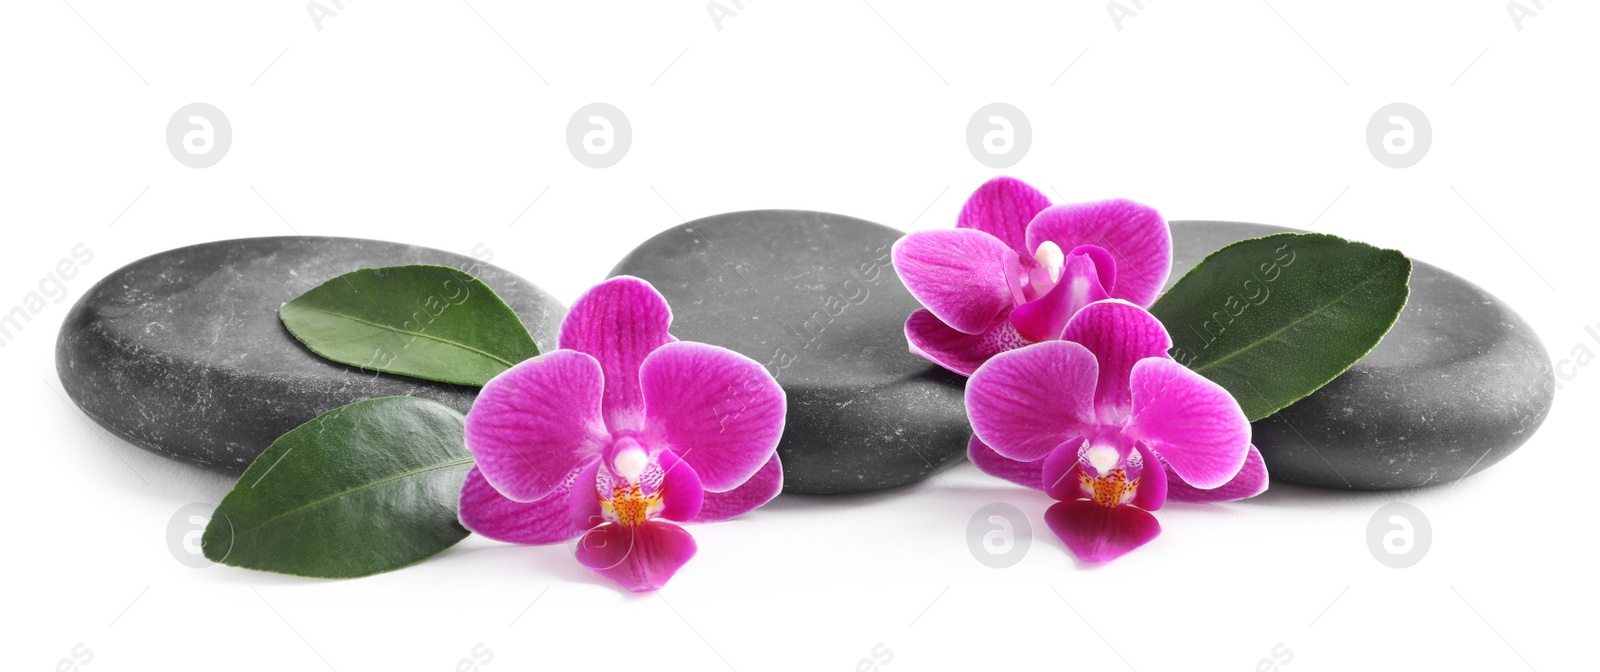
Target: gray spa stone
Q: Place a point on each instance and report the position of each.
(813, 297)
(182, 352)
(1459, 383)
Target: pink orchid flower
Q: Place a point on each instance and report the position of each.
(1110, 426)
(620, 430)
(1015, 270)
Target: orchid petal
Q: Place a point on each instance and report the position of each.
(958, 274)
(681, 493)
(585, 506)
(1119, 334)
(536, 422)
(719, 411)
(1134, 235)
(1025, 402)
(1016, 276)
(1153, 483)
(550, 520)
(1191, 422)
(619, 322)
(1104, 264)
(1251, 481)
(962, 353)
(1026, 474)
(1044, 318)
(641, 558)
(760, 489)
(1098, 533)
(1002, 208)
(1061, 471)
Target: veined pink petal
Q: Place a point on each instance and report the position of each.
(681, 492)
(1098, 533)
(1016, 276)
(1135, 236)
(1002, 208)
(958, 274)
(619, 322)
(760, 489)
(1061, 471)
(1153, 488)
(585, 505)
(550, 520)
(959, 352)
(536, 422)
(1251, 481)
(719, 411)
(1104, 263)
(1025, 402)
(1119, 334)
(1026, 474)
(1191, 422)
(1044, 318)
(641, 558)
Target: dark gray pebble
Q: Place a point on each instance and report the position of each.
(814, 298)
(1459, 383)
(182, 352)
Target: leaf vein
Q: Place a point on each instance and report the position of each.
(419, 334)
(367, 486)
(1319, 310)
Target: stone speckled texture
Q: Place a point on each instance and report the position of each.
(1459, 383)
(182, 352)
(813, 297)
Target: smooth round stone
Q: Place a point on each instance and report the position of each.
(814, 298)
(1459, 383)
(182, 352)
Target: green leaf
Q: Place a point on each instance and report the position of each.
(361, 489)
(430, 322)
(1273, 319)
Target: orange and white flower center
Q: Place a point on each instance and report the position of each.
(1102, 480)
(625, 501)
(629, 505)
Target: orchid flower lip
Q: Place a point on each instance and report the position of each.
(625, 500)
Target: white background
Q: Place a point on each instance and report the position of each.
(444, 124)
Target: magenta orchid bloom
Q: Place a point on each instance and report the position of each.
(620, 430)
(1015, 270)
(1108, 424)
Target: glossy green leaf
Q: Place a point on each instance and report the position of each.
(1273, 319)
(430, 322)
(361, 489)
